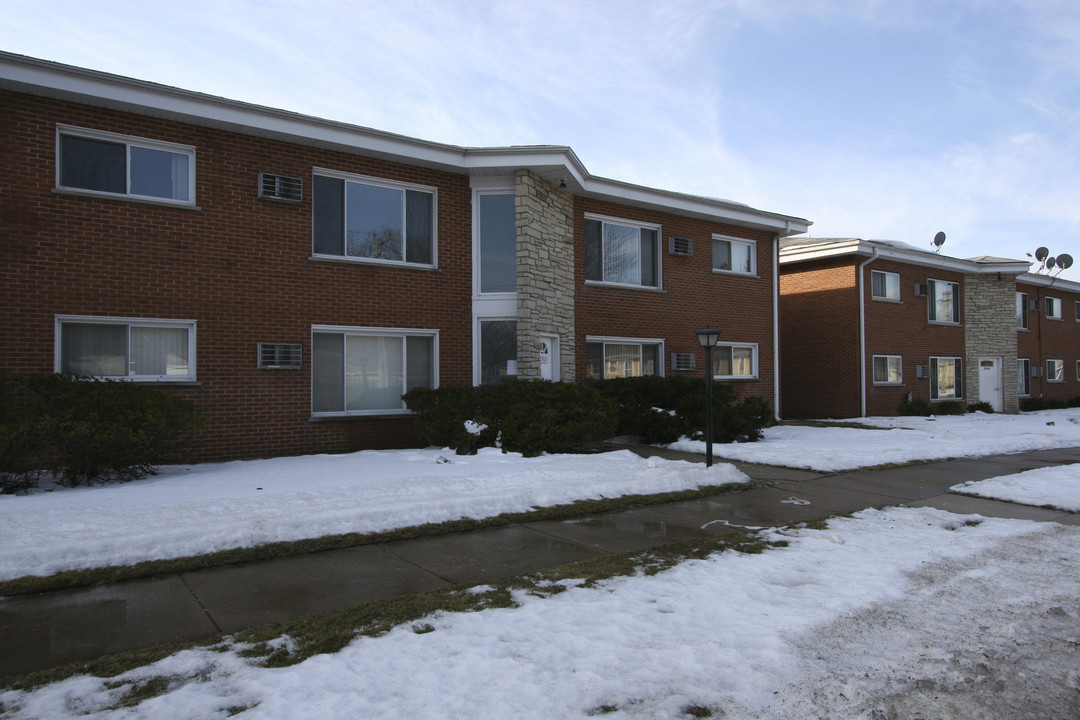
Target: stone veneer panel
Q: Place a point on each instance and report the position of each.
(545, 272)
(990, 331)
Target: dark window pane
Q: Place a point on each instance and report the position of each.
(594, 234)
(94, 350)
(419, 363)
(329, 209)
(498, 244)
(159, 173)
(373, 221)
(418, 219)
(498, 348)
(93, 164)
(650, 359)
(594, 359)
(327, 372)
(877, 281)
(648, 260)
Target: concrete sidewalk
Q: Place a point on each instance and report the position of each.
(51, 629)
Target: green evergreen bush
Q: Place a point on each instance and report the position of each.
(981, 406)
(85, 430)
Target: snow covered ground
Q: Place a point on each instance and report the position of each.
(898, 613)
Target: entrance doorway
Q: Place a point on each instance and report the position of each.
(990, 382)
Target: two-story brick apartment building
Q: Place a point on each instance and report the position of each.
(1048, 337)
(293, 276)
(866, 324)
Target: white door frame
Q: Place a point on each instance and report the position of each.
(991, 392)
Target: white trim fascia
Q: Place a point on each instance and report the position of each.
(25, 74)
(1057, 283)
(856, 246)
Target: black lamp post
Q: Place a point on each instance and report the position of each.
(708, 339)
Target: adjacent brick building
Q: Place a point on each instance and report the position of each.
(1048, 337)
(869, 324)
(292, 276)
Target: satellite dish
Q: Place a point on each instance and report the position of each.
(1041, 253)
(1064, 261)
(939, 239)
(1050, 263)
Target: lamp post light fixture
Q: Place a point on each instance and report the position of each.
(708, 339)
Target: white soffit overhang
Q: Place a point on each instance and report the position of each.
(557, 164)
(1049, 281)
(885, 251)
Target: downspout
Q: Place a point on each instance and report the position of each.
(776, 323)
(862, 333)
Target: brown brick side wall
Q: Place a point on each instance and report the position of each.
(692, 296)
(1047, 339)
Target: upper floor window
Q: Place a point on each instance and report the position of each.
(888, 370)
(884, 285)
(497, 230)
(1021, 311)
(358, 371)
(619, 358)
(737, 256)
(111, 164)
(369, 219)
(622, 252)
(946, 378)
(944, 301)
(126, 349)
(1053, 308)
(731, 360)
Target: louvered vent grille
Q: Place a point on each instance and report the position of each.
(280, 187)
(680, 246)
(280, 356)
(683, 361)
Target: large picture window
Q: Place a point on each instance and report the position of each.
(498, 242)
(366, 219)
(621, 252)
(946, 377)
(944, 301)
(735, 256)
(734, 361)
(619, 358)
(126, 349)
(357, 371)
(137, 168)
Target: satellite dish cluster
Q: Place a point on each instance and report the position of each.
(1048, 263)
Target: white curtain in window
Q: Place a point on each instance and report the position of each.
(622, 360)
(374, 373)
(158, 351)
(622, 249)
(742, 361)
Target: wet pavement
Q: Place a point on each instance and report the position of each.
(51, 629)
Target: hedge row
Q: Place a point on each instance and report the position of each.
(83, 430)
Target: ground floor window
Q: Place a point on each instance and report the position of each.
(1023, 377)
(1055, 371)
(619, 358)
(498, 351)
(125, 348)
(888, 370)
(734, 361)
(367, 370)
(946, 378)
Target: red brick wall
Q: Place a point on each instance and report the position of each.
(692, 296)
(819, 342)
(238, 265)
(1047, 339)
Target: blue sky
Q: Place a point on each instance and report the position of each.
(891, 119)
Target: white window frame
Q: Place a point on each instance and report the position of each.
(384, 183)
(931, 302)
(755, 368)
(1053, 308)
(899, 359)
(958, 394)
(374, 332)
(1023, 377)
(189, 325)
(607, 220)
(129, 141)
(1057, 375)
(1021, 311)
(478, 292)
(886, 297)
(605, 341)
(751, 246)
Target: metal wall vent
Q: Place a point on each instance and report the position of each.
(683, 361)
(922, 289)
(1036, 371)
(280, 187)
(922, 371)
(280, 356)
(1034, 304)
(680, 246)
